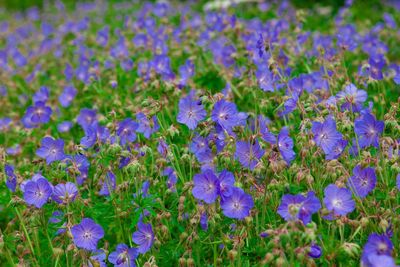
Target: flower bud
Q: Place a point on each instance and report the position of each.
(268, 258)
(351, 249)
(190, 262)
(280, 262)
(58, 251)
(232, 254)
(182, 262)
(249, 220)
(384, 224)
(183, 236)
(364, 222)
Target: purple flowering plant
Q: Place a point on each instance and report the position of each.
(200, 133)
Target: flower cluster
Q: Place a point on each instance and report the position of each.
(187, 134)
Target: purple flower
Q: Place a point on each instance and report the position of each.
(338, 200)
(86, 117)
(37, 192)
(123, 256)
(285, 145)
(376, 260)
(363, 181)
(398, 181)
(267, 136)
(87, 234)
(226, 115)
(352, 98)
(337, 150)
(199, 147)
(191, 112)
(90, 137)
(206, 186)
(98, 258)
(51, 149)
(14, 150)
(56, 216)
(65, 193)
(67, 96)
(248, 154)
(172, 179)
(109, 184)
(204, 221)
(11, 180)
(42, 95)
(376, 64)
(265, 79)
(162, 148)
(161, 65)
(143, 237)
(325, 135)
(147, 127)
(4, 124)
(377, 245)
(37, 114)
(186, 71)
(368, 130)
(237, 205)
(64, 126)
(315, 251)
(34, 178)
(299, 207)
(226, 183)
(126, 131)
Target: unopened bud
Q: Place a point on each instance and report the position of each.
(232, 254)
(182, 262)
(190, 262)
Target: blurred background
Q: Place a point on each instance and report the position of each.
(22, 5)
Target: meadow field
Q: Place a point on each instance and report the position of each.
(199, 133)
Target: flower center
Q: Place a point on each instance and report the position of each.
(236, 205)
(39, 194)
(87, 235)
(294, 209)
(148, 236)
(382, 247)
(337, 203)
